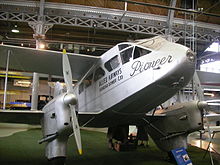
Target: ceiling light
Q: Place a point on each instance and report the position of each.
(15, 29)
(41, 46)
(209, 94)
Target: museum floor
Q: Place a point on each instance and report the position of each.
(22, 148)
(195, 140)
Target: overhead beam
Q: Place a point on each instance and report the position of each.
(170, 19)
(170, 8)
(106, 19)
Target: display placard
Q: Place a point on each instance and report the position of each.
(181, 156)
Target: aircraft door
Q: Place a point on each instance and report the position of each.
(86, 93)
(98, 81)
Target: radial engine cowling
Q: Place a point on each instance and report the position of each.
(179, 120)
(57, 125)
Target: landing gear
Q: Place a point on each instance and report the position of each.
(142, 136)
(120, 140)
(117, 135)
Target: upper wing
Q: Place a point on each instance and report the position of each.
(44, 61)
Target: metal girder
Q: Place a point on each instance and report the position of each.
(170, 19)
(109, 19)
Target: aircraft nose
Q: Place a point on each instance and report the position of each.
(191, 56)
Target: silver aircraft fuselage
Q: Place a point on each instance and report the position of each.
(131, 79)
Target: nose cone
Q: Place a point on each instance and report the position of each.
(202, 105)
(184, 68)
(187, 66)
(70, 98)
(191, 56)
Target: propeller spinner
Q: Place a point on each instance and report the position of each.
(71, 100)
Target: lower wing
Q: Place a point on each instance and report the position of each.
(21, 116)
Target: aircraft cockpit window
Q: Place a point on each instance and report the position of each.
(112, 63)
(81, 88)
(123, 46)
(99, 73)
(88, 80)
(138, 52)
(126, 55)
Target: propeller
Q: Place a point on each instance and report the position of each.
(71, 100)
(203, 106)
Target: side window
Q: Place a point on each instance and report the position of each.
(123, 46)
(88, 80)
(112, 63)
(99, 73)
(138, 52)
(126, 55)
(81, 88)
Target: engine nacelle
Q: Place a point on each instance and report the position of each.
(56, 126)
(170, 131)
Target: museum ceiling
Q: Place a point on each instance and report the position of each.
(97, 40)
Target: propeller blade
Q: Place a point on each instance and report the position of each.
(198, 87)
(76, 129)
(71, 100)
(67, 73)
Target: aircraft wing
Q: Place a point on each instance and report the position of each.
(21, 116)
(212, 117)
(212, 129)
(44, 61)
